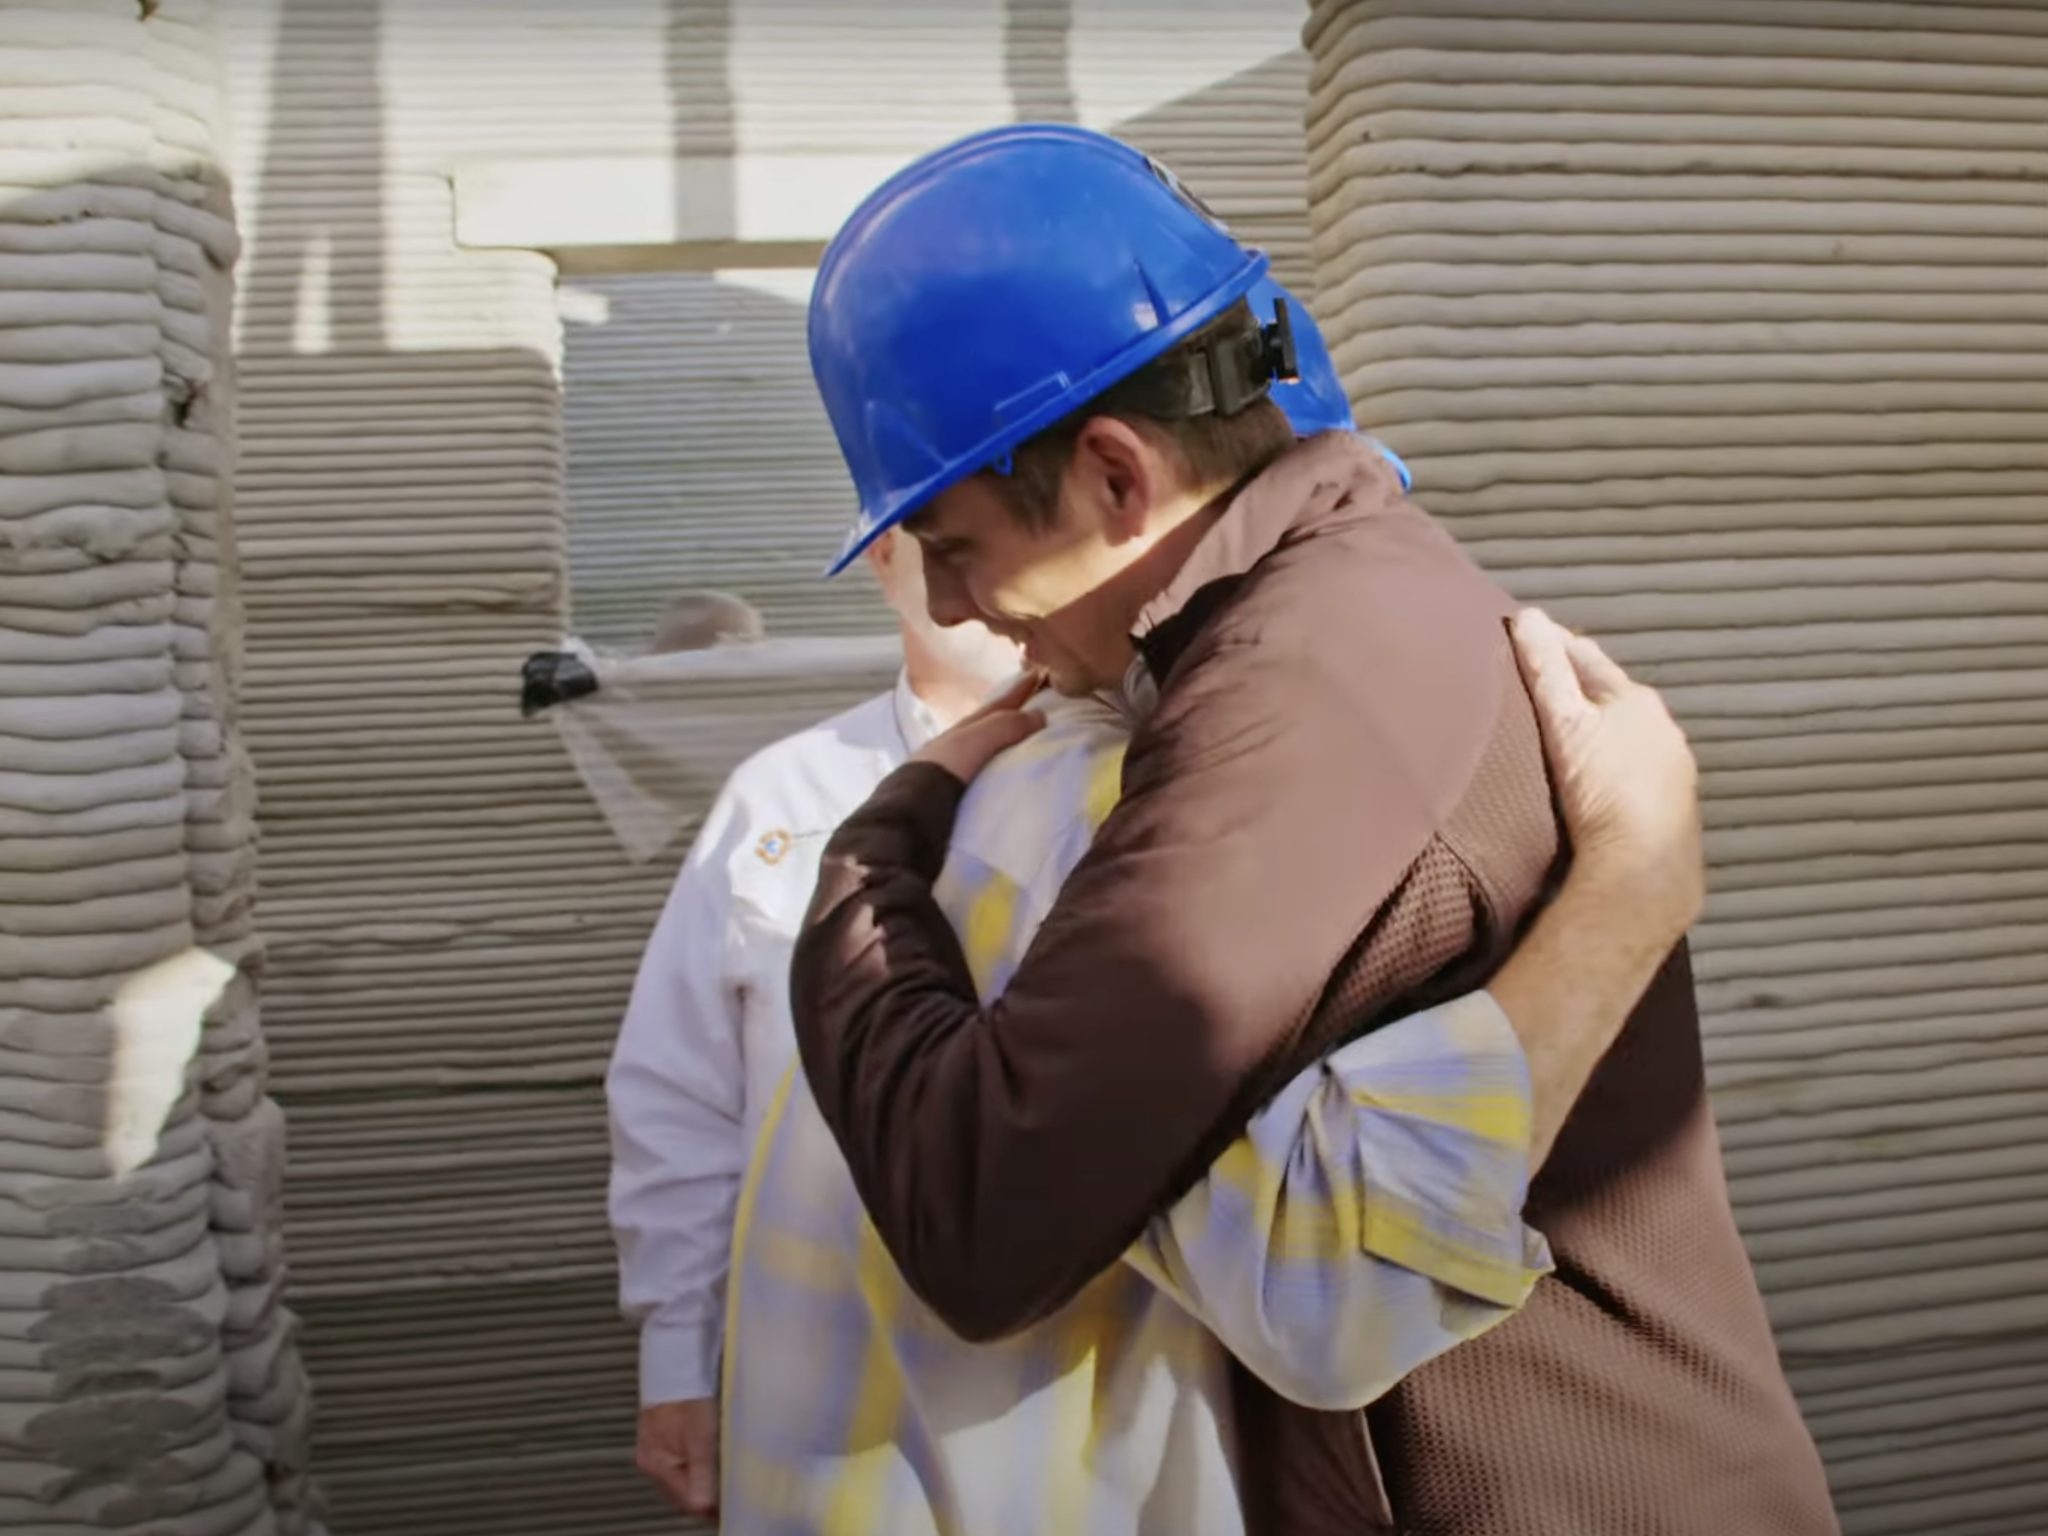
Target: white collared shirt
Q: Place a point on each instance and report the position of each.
(707, 1035)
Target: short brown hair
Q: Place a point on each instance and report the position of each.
(1211, 449)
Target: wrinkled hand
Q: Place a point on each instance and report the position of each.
(678, 1453)
(969, 746)
(1625, 777)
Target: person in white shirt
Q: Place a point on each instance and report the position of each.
(707, 1034)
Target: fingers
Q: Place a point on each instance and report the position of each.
(1539, 643)
(671, 1477)
(700, 1454)
(1002, 732)
(677, 1451)
(991, 737)
(1543, 653)
(700, 1484)
(1599, 676)
(1014, 694)
(971, 745)
(689, 1483)
(1564, 671)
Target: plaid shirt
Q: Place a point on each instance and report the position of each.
(1368, 1220)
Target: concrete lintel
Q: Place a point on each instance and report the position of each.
(787, 201)
(684, 256)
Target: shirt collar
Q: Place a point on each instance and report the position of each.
(914, 718)
(1136, 696)
(1289, 499)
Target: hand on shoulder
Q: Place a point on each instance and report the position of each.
(1626, 779)
(963, 750)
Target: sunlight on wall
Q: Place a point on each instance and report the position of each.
(157, 1015)
(822, 76)
(313, 315)
(1119, 70)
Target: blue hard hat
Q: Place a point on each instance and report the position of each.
(1315, 400)
(992, 287)
(1393, 458)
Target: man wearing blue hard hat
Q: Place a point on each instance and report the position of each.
(1039, 355)
(838, 1380)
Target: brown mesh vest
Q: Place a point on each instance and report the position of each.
(1638, 1394)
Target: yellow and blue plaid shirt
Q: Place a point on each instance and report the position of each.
(1367, 1220)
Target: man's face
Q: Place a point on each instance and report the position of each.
(968, 651)
(1048, 589)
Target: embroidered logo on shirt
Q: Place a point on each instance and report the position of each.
(773, 847)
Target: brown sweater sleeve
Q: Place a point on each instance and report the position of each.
(1272, 822)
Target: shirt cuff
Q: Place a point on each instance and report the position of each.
(679, 1359)
(1449, 1090)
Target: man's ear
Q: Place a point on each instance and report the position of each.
(881, 555)
(1116, 472)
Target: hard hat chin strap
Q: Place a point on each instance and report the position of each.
(1218, 379)
(1228, 374)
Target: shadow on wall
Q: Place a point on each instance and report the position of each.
(700, 456)
(698, 452)
(1241, 144)
(1038, 60)
(450, 926)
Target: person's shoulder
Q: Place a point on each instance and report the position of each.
(775, 811)
(831, 749)
(1078, 733)
(1041, 801)
(812, 779)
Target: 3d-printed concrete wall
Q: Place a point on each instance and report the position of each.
(149, 1375)
(1722, 327)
